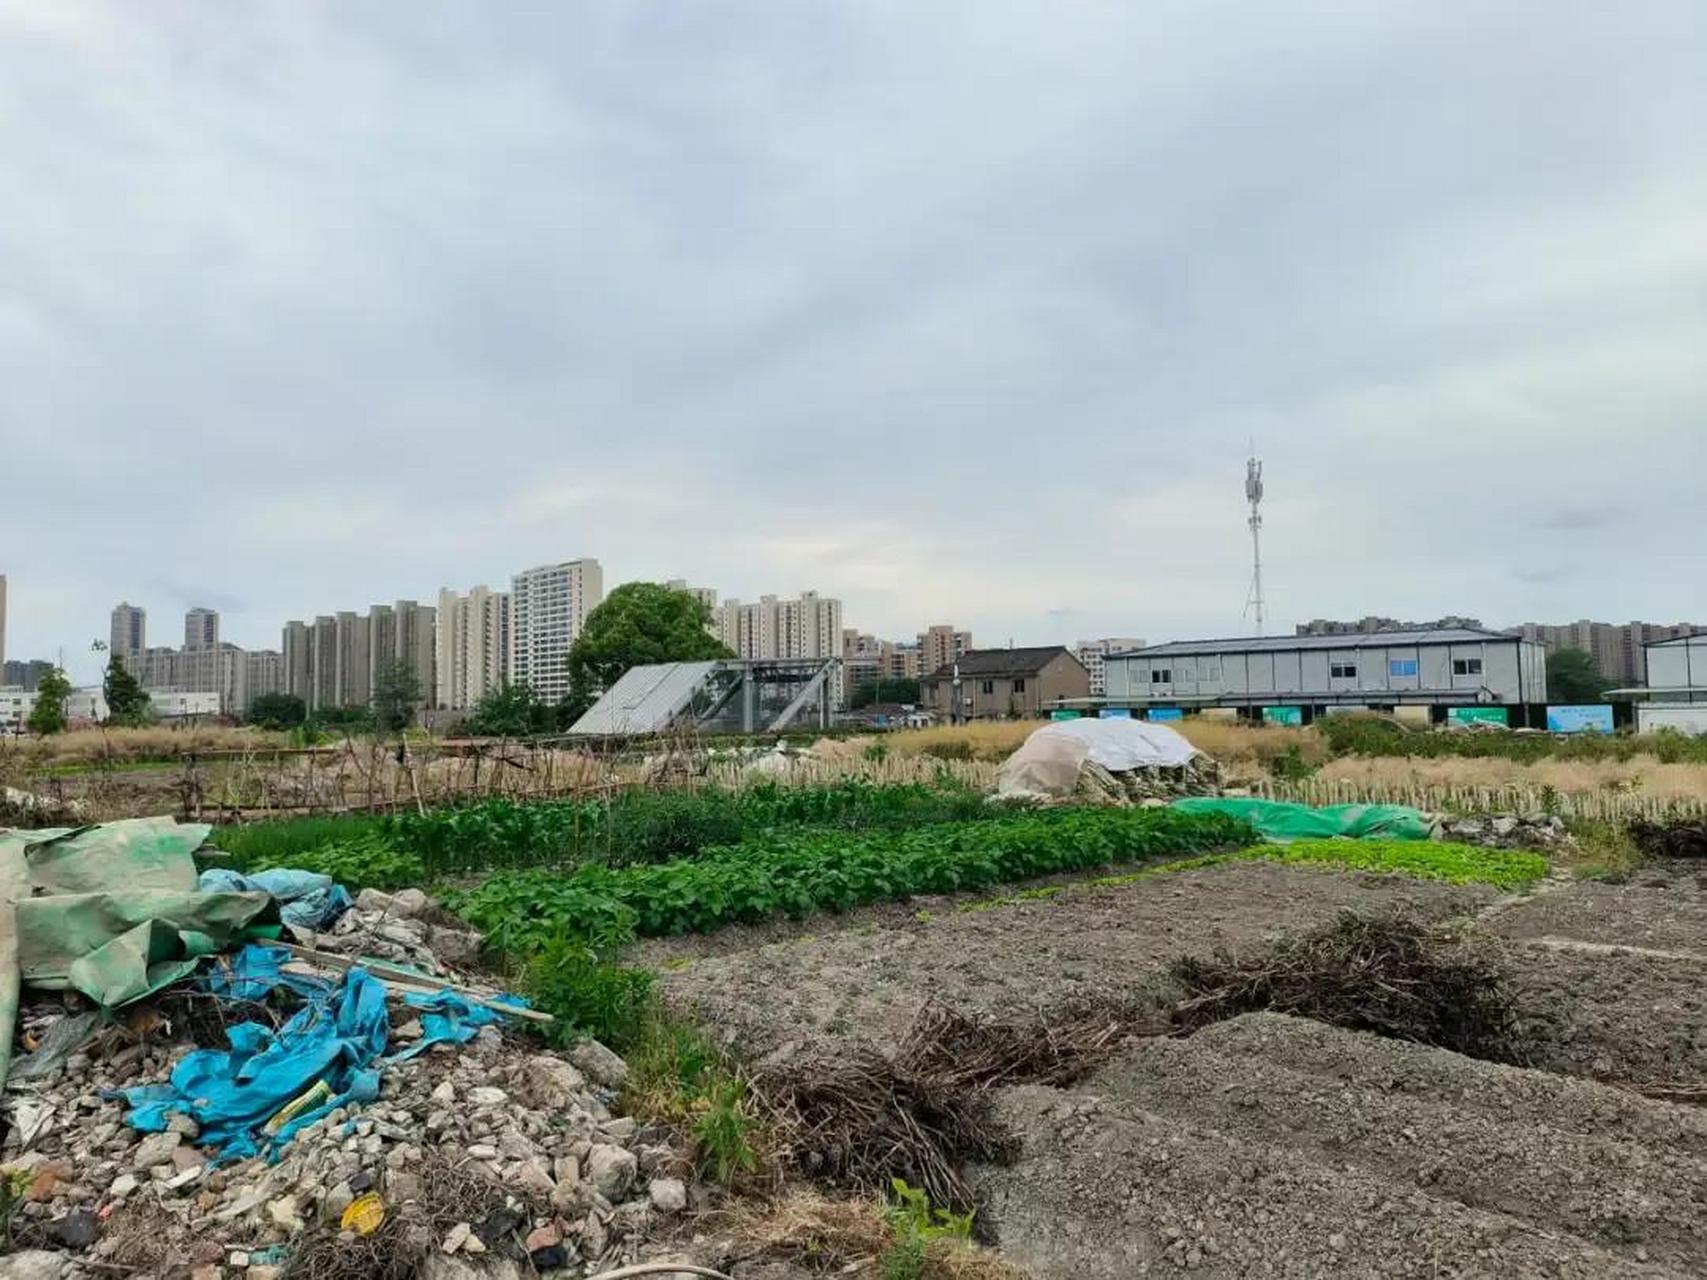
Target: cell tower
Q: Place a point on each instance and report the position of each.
(1253, 495)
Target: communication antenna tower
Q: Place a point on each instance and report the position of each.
(1253, 494)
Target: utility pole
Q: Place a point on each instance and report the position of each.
(1253, 495)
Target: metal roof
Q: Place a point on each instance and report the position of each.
(1001, 662)
(1292, 644)
(645, 700)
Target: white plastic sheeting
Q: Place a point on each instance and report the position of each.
(1049, 760)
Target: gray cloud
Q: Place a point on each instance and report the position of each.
(1582, 519)
(962, 314)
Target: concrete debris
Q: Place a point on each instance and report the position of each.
(1199, 776)
(1506, 831)
(562, 1172)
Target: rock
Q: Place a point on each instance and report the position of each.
(438, 1267)
(239, 1259)
(265, 1272)
(444, 1095)
(79, 1229)
(410, 1030)
(286, 1215)
(455, 947)
(668, 1195)
(31, 1264)
(599, 1063)
(566, 1169)
(156, 1149)
(620, 1129)
(373, 901)
(187, 1158)
(207, 1271)
(594, 1237)
(409, 902)
(543, 1238)
(611, 1170)
(48, 1177)
(482, 1151)
(336, 1201)
(533, 1181)
(184, 1125)
(486, 1096)
(1505, 826)
(456, 1236)
(550, 1083)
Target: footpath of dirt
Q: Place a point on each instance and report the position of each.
(1272, 1145)
(869, 981)
(1662, 907)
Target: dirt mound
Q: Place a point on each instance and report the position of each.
(1269, 1143)
(1670, 840)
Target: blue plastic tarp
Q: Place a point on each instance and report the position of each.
(337, 1039)
(231, 1094)
(307, 899)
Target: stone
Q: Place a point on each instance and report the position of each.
(455, 947)
(513, 1146)
(668, 1195)
(594, 1237)
(611, 1170)
(487, 1096)
(550, 1083)
(1505, 826)
(372, 900)
(183, 1125)
(187, 1158)
(31, 1264)
(207, 1271)
(482, 1151)
(444, 1095)
(154, 1150)
(473, 1244)
(455, 1237)
(79, 1229)
(621, 1129)
(239, 1259)
(335, 1202)
(286, 1214)
(543, 1237)
(533, 1181)
(566, 1169)
(265, 1272)
(48, 1177)
(599, 1063)
(410, 1030)
(409, 902)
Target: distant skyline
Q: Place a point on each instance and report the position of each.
(961, 313)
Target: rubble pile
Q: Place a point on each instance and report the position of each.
(1505, 830)
(324, 1103)
(571, 1188)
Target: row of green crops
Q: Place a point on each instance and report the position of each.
(801, 872)
(632, 828)
(1369, 735)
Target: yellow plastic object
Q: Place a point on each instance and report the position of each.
(317, 1093)
(364, 1215)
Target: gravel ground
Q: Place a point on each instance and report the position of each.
(1273, 1146)
(1662, 908)
(869, 979)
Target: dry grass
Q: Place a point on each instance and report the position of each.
(839, 1237)
(1639, 776)
(989, 740)
(100, 746)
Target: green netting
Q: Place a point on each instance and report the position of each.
(1280, 821)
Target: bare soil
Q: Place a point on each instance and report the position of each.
(869, 978)
(1274, 1146)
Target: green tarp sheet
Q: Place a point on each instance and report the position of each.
(112, 911)
(1276, 820)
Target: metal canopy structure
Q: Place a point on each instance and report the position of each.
(728, 696)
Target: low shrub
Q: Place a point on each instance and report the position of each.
(575, 978)
(367, 861)
(256, 845)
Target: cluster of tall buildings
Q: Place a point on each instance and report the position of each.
(457, 651)
(1619, 650)
(204, 664)
(867, 658)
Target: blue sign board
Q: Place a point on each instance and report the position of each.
(1114, 713)
(1283, 715)
(1164, 713)
(1586, 719)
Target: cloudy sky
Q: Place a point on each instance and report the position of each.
(962, 312)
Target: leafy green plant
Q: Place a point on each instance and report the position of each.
(798, 872)
(576, 979)
(13, 1185)
(916, 1223)
(255, 845)
(1290, 765)
(363, 862)
(722, 1132)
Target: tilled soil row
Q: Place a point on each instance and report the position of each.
(1270, 1145)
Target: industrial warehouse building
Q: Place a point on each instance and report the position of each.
(1675, 696)
(1434, 669)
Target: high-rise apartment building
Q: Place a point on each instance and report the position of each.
(548, 607)
(128, 636)
(402, 634)
(473, 644)
(809, 626)
(1093, 652)
(264, 673)
(323, 664)
(201, 629)
(297, 645)
(1619, 651)
(940, 645)
(705, 595)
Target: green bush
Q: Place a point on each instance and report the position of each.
(365, 862)
(1373, 735)
(575, 978)
(799, 872)
(256, 845)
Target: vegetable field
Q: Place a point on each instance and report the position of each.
(794, 873)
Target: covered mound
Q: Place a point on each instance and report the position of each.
(1112, 761)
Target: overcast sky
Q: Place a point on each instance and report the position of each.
(962, 313)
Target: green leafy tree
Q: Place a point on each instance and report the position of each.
(277, 711)
(1572, 676)
(127, 701)
(510, 711)
(639, 623)
(886, 691)
(356, 718)
(396, 690)
(48, 715)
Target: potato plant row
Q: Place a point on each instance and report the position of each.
(796, 873)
